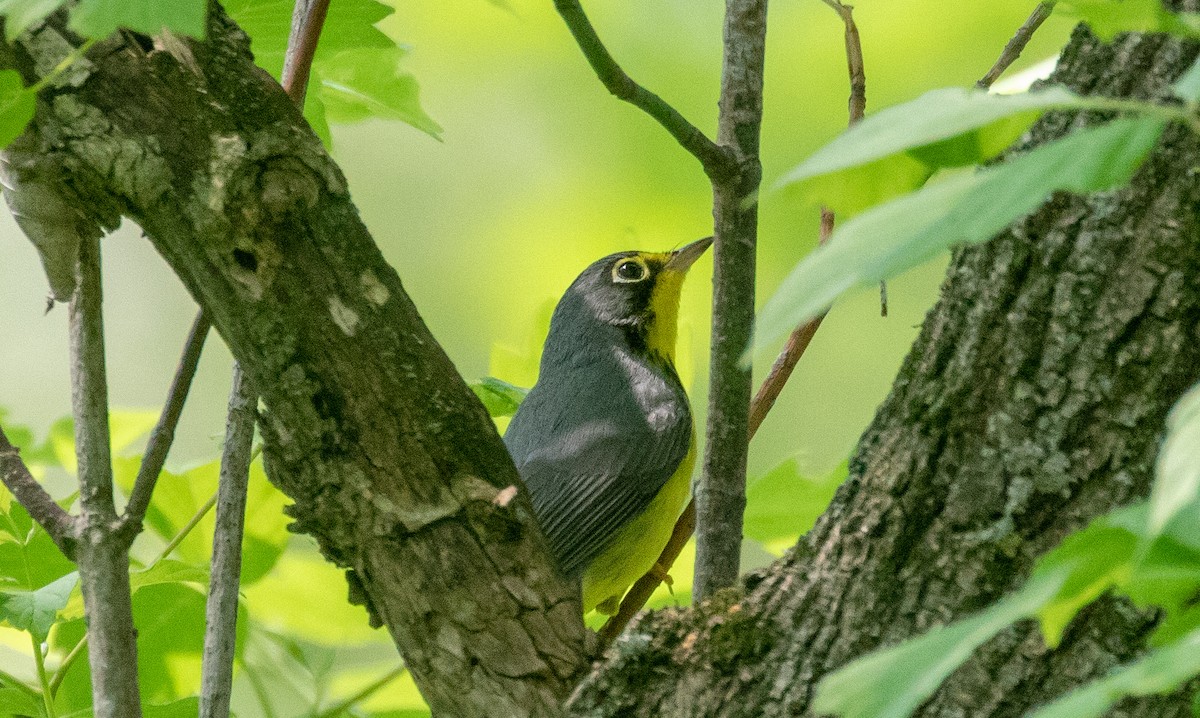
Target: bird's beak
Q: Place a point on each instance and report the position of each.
(683, 258)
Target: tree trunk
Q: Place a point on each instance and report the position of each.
(393, 464)
(1033, 400)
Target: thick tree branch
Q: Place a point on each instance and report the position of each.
(220, 625)
(1017, 44)
(721, 490)
(392, 462)
(716, 160)
(163, 434)
(30, 494)
(995, 442)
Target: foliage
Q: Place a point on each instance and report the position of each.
(1148, 552)
(946, 129)
(288, 664)
(356, 71)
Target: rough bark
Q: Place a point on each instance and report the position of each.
(1033, 400)
(392, 463)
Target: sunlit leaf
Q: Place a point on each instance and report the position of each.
(101, 18)
(927, 124)
(1177, 473)
(783, 503)
(19, 15)
(15, 702)
(168, 571)
(1187, 87)
(31, 559)
(182, 708)
(314, 112)
(16, 106)
(308, 581)
(349, 24)
(1092, 560)
(893, 682)
(35, 611)
(360, 84)
(1161, 671)
(1106, 18)
(968, 208)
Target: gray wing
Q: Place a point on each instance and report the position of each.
(593, 461)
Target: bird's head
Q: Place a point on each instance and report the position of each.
(636, 292)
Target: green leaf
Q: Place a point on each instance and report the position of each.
(16, 106)
(349, 25)
(14, 702)
(967, 208)
(498, 396)
(125, 427)
(1187, 87)
(19, 15)
(168, 571)
(1107, 18)
(1161, 671)
(984, 122)
(31, 559)
(314, 112)
(1093, 560)
(182, 708)
(368, 83)
(893, 682)
(1177, 473)
(783, 503)
(101, 18)
(35, 611)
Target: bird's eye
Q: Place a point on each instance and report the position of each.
(629, 270)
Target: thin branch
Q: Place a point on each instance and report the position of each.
(89, 392)
(30, 494)
(221, 610)
(717, 161)
(69, 660)
(776, 378)
(102, 557)
(308, 18)
(164, 431)
(721, 489)
(1017, 44)
(220, 634)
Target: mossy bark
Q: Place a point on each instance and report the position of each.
(1033, 400)
(393, 464)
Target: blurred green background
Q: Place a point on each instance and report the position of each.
(539, 172)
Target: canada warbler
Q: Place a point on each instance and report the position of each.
(604, 441)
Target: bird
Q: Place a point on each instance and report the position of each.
(604, 441)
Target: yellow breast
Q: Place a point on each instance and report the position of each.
(638, 544)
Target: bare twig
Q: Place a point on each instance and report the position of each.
(308, 18)
(721, 489)
(102, 555)
(778, 376)
(221, 610)
(164, 431)
(858, 96)
(717, 161)
(30, 494)
(1018, 42)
